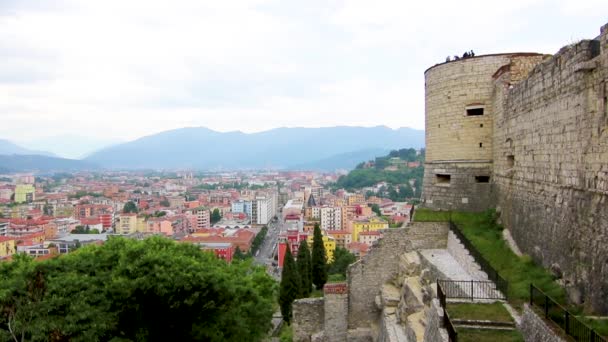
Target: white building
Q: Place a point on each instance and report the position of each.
(331, 218)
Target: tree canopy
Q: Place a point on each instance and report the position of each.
(130, 207)
(290, 286)
(215, 216)
(134, 290)
(342, 258)
(304, 269)
(318, 259)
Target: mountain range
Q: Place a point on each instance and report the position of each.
(328, 148)
(7, 147)
(280, 148)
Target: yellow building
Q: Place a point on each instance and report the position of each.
(8, 246)
(142, 225)
(127, 223)
(367, 225)
(356, 199)
(329, 243)
(25, 193)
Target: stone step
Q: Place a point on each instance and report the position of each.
(483, 323)
(482, 327)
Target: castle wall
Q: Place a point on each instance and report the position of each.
(551, 166)
(459, 131)
(381, 264)
(308, 318)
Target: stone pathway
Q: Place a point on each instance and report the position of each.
(450, 269)
(446, 264)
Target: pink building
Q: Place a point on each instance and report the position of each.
(160, 225)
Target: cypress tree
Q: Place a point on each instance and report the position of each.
(319, 261)
(304, 269)
(290, 286)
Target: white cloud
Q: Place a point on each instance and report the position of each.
(122, 69)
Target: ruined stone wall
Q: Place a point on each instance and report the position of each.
(336, 307)
(308, 318)
(551, 166)
(381, 264)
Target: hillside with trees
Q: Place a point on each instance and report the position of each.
(129, 290)
(396, 169)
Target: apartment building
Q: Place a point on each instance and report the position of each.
(331, 218)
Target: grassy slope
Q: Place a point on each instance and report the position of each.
(492, 312)
(486, 235)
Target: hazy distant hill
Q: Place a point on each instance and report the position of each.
(69, 145)
(7, 147)
(347, 161)
(20, 163)
(202, 148)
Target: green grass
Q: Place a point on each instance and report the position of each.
(336, 278)
(478, 335)
(316, 294)
(599, 325)
(490, 312)
(486, 236)
(286, 333)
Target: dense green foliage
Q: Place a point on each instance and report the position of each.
(130, 207)
(215, 216)
(239, 255)
(290, 286)
(376, 209)
(361, 178)
(398, 188)
(149, 290)
(84, 230)
(304, 270)
(342, 258)
(486, 235)
(259, 238)
(318, 259)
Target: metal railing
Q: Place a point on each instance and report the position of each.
(562, 317)
(447, 323)
(501, 284)
(470, 289)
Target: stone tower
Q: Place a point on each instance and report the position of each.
(459, 104)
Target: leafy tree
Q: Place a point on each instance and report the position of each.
(130, 207)
(215, 216)
(259, 238)
(318, 259)
(342, 258)
(304, 270)
(47, 209)
(238, 254)
(376, 209)
(290, 286)
(134, 290)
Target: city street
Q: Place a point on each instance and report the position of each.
(268, 249)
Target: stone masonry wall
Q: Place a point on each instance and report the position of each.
(381, 264)
(336, 308)
(308, 318)
(459, 145)
(534, 328)
(551, 166)
(463, 192)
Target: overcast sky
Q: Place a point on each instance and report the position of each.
(121, 69)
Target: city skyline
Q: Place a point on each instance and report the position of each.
(121, 71)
